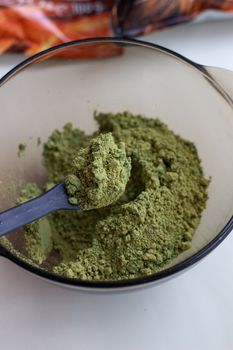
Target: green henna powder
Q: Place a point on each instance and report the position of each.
(99, 173)
(38, 235)
(21, 149)
(38, 141)
(152, 221)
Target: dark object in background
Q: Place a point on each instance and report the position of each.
(135, 17)
(30, 26)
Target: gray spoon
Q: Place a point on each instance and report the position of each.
(23, 214)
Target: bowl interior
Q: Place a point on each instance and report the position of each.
(143, 80)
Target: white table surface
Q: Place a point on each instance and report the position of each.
(191, 312)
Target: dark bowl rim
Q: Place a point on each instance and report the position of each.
(146, 280)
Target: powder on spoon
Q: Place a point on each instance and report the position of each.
(149, 225)
(99, 173)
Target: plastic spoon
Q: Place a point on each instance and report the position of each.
(23, 214)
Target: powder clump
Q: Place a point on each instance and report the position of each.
(99, 173)
(37, 235)
(21, 149)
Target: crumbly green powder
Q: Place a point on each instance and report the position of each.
(21, 149)
(38, 141)
(38, 235)
(99, 173)
(148, 226)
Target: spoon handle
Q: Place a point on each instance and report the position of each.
(54, 199)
